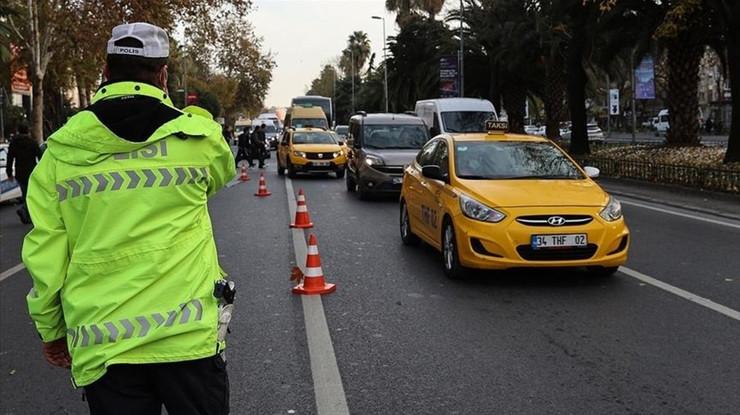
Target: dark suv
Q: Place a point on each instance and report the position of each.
(381, 145)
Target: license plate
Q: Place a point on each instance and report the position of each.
(397, 180)
(559, 241)
(321, 163)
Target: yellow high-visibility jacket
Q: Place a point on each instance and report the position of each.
(122, 253)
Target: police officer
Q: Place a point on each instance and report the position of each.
(122, 254)
(243, 148)
(258, 145)
(23, 152)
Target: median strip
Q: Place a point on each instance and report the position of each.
(327, 382)
(11, 271)
(733, 314)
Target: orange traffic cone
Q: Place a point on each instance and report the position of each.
(244, 176)
(262, 191)
(302, 221)
(313, 280)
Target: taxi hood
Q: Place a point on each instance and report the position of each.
(317, 148)
(535, 193)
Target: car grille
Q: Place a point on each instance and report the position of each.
(541, 220)
(393, 170)
(556, 254)
(319, 156)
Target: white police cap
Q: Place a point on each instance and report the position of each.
(154, 40)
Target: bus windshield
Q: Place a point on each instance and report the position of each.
(322, 102)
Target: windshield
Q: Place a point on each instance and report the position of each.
(323, 103)
(484, 160)
(305, 122)
(313, 138)
(466, 121)
(409, 137)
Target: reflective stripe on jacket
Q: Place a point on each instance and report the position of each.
(122, 253)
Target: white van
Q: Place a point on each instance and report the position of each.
(662, 125)
(455, 115)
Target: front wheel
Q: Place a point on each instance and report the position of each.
(450, 257)
(407, 237)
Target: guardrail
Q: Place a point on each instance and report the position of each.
(723, 180)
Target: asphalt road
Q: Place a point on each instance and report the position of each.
(409, 341)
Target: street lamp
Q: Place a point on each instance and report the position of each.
(462, 53)
(352, 67)
(385, 63)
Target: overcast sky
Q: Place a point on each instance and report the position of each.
(303, 35)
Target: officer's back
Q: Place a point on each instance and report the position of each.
(122, 254)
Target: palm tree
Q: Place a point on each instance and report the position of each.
(356, 54)
(430, 7)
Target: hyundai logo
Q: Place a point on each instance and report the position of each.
(556, 221)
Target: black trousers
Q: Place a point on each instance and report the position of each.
(196, 387)
(241, 154)
(259, 154)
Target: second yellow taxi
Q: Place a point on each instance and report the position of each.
(495, 200)
(310, 150)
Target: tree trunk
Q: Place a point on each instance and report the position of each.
(37, 112)
(554, 98)
(733, 62)
(515, 98)
(684, 56)
(577, 86)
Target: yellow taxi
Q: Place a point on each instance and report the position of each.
(310, 150)
(496, 200)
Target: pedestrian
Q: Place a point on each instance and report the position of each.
(23, 153)
(228, 135)
(257, 146)
(243, 147)
(127, 289)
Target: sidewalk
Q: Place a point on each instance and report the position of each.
(714, 203)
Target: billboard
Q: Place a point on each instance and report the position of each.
(448, 77)
(645, 79)
(613, 102)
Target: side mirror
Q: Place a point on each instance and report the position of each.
(434, 172)
(592, 172)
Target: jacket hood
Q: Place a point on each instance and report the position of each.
(124, 117)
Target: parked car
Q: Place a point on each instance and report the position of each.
(9, 189)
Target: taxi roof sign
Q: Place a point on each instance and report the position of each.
(497, 127)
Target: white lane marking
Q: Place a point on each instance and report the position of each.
(694, 216)
(327, 382)
(12, 271)
(733, 314)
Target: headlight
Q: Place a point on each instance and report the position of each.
(299, 154)
(478, 211)
(612, 211)
(373, 161)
